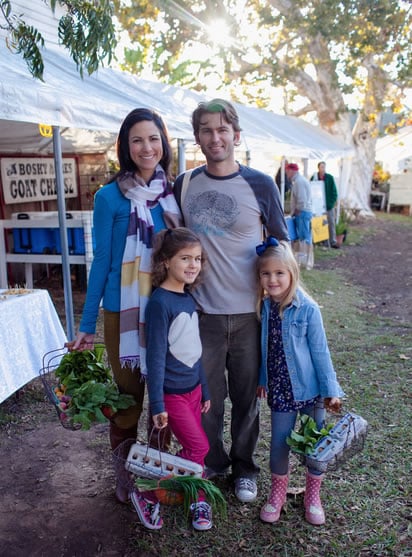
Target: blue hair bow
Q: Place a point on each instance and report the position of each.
(270, 241)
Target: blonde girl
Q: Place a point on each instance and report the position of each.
(296, 374)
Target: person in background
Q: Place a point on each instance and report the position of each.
(301, 210)
(296, 374)
(176, 383)
(278, 179)
(128, 211)
(229, 206)
(331, 197)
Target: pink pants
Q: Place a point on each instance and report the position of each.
(185, 422)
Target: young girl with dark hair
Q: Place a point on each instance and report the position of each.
(178, 393)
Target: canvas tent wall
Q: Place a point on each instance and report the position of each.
(394, 152)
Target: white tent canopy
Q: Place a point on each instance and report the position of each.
(97, 104)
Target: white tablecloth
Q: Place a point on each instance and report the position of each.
(29, 328)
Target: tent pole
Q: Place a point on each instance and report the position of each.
(61, 205)
(282, 181)
(181, 156)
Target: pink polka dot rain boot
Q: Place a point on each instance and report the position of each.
(270, 511)
(314, 513)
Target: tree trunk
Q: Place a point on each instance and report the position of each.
(327, 100)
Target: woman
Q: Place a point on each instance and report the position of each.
(128, 211)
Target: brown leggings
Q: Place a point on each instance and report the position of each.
(129, 381)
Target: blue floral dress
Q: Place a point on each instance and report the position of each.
(280, 395)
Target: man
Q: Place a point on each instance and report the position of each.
(229, 206)
(331, 196)
(278, 179)
(301, 209)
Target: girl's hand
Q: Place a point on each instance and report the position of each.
(160, 420)
(205, 406)
(333, 404)
(261, 392)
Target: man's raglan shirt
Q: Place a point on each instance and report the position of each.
(230, 214)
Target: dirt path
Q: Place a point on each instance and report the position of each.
(57, 494)
(57, 485)
(382, 265)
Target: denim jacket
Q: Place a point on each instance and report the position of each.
(306, 350)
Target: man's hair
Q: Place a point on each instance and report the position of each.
(226, 108)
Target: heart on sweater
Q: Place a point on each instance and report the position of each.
(184, 339)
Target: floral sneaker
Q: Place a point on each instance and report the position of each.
(148, 511)
(202, 515)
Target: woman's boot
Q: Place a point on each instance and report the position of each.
(117, 438)
(314, 513)
(270, 511)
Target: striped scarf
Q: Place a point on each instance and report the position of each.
(135, 283)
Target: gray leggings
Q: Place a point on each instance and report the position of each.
(282, 423)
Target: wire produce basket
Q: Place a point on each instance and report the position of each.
(80, 385)
(52, 387)
(344, 440)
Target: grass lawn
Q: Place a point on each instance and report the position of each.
(367, 501)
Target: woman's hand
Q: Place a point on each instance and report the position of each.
(160, 420)
(205, 406)
(83, 341)
(333, 404)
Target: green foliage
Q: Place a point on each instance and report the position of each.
(304, 440)
(76, 368)
(90, 395)
(266, 44)
(88, 400)
(342, 225)
(24, 40)
(86, 30)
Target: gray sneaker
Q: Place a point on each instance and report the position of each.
(245, 489)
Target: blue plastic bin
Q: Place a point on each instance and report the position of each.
(75, 241)
(33, 240)
(75, 238)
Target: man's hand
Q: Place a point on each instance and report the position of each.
(205, 407)
(261, 392)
